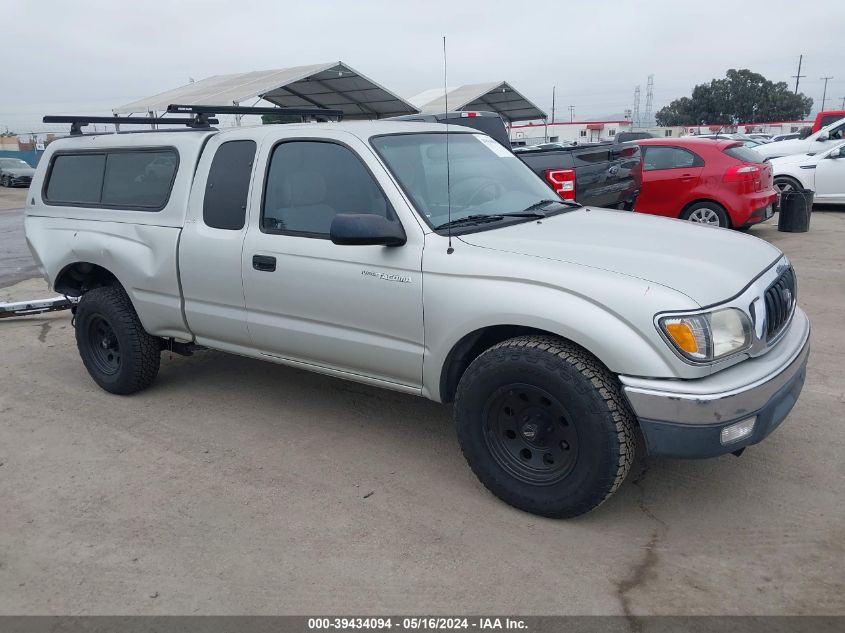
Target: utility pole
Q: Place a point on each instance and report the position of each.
(843, 104)
(571, 113)
(799, 75)
(824, 94)
(553, 104)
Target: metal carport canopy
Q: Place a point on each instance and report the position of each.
(331, 85)
(496, 96)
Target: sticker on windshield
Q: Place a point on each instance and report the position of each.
(494, 146)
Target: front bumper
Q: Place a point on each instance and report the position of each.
(685, 418)
(20, 181)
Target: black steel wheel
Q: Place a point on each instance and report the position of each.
(103, 344)
(118, 353)
(529, 434)
(544, 426)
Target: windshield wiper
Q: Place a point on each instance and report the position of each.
(477, 218)
(544, 203)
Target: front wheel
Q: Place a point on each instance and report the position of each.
(544, 426)
(708, 213)
(118, 353)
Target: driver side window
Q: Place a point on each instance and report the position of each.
(309, 182)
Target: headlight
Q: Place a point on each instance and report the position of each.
(708, 336)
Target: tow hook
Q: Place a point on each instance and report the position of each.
(738, 451)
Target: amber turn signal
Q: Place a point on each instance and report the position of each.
(683, 336)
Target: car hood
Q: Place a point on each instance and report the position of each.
(794, 159)
(786, 148)
(707, 264)
(19, 171)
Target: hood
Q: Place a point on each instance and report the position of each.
(788, 148)
(793, 159)
(19, 171)
(708, 264)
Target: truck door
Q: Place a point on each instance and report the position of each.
(356, 310)
(211, 245)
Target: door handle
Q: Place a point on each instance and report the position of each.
(264, 263)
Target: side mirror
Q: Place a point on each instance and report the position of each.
(362, 229)
(835, 153)
(823, 136)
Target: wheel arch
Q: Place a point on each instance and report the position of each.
(470, 347)
(708, 200)
(77, 278)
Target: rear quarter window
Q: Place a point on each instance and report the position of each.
(113, 179)
(745, 154)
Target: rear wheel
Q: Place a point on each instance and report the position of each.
(708, 213)
(118, 353)
(544, 426)
(786, 184)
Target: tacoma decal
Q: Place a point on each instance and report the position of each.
(387, 276)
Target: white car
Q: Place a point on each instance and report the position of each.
(824, 139)
(823, 172)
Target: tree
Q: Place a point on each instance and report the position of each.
(741, 97)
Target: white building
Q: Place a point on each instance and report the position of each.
(560, 132)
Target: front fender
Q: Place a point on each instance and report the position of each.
(615, 339)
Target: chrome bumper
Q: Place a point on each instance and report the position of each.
(684, 418)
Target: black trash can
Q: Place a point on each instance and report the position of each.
(795, 210)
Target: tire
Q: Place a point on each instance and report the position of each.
(544, 426)
(785, 184)
(708, 213)
(118, 353)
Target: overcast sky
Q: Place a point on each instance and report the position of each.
(87, 56)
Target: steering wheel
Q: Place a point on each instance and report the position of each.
(494, 187)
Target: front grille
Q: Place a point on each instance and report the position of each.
(780, 301)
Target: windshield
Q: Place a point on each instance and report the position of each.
(13, 163)
(485, 179)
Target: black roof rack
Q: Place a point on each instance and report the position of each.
(203, 116)
(78, 122)
(202, 111)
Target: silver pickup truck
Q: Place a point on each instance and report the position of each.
(429, 261)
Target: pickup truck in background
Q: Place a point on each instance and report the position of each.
(601, 174)
(557, 330)
(606, 175)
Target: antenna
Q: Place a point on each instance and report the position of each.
(449, 250)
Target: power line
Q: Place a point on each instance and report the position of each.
(799, 75)
(824, 94)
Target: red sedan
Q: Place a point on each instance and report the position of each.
(712, 181)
